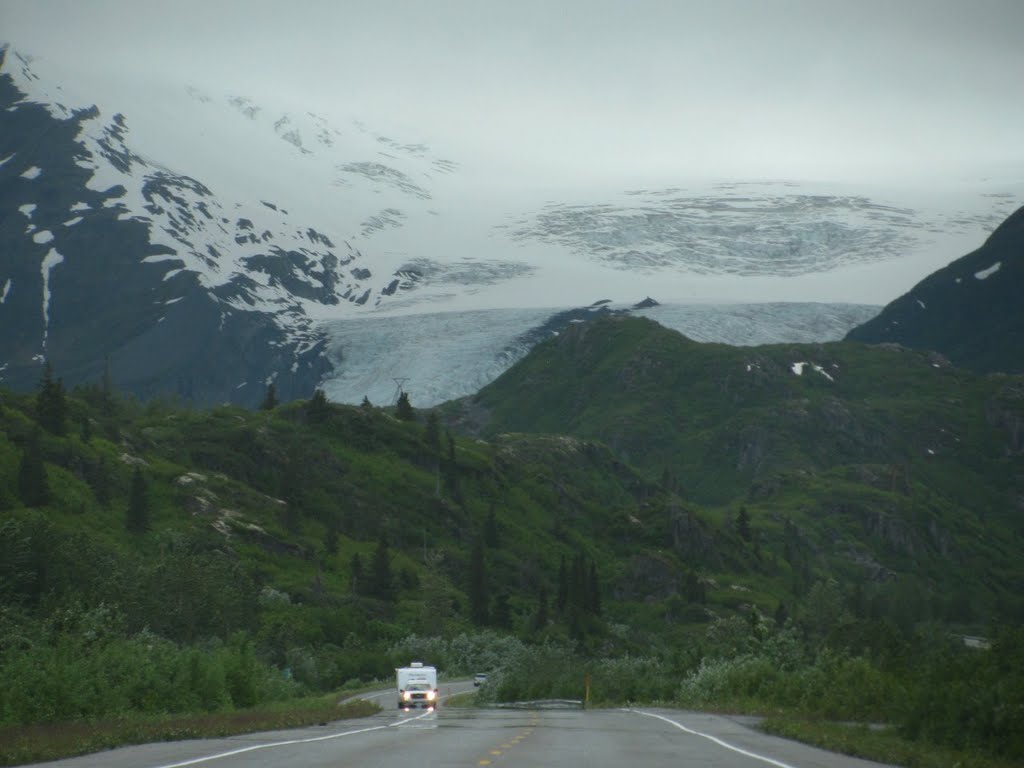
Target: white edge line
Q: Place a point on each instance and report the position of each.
(717, 741)
(219, 755)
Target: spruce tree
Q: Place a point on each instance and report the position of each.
(478, 598)
(743, 524)
(100, 479)
(432, 432)
(292, 493)
(594, 592)
(51, 405)
(318, 409)
(270, 401)
(137, 518)
(403, 409)
(382, 583)
(491, 530)
(540, 618)
(501, 614)
(33, 487)
(450, 468)
(562, 599)
(577, 585)
(356, 582)
(331, 537)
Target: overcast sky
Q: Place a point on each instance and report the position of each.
(630, 91)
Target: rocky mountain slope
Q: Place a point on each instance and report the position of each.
(970, 311)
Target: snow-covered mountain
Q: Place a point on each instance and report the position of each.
(208, 242)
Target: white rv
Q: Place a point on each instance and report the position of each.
(417, 686)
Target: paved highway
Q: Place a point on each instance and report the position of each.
(493, 738)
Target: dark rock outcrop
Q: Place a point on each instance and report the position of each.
(970, 311)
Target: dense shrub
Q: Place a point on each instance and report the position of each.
(970, 699)
(76, 677)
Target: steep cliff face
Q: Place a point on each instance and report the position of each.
(970, 311)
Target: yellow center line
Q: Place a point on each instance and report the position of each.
(495, 751)
(484, 762)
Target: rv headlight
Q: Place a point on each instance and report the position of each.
(431, 695)
(406, 695)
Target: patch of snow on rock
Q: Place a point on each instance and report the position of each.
(988, 272)
(51, 260)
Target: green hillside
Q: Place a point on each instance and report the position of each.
(874, 464)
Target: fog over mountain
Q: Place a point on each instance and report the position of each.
(412, 191)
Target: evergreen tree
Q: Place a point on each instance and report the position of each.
(33, 487)
(270, 401)
(137, 518)
(562, 598)
(540, 618)
(577, 598)
(403, 409)
(331, 537)
(478, 598)
(432, 432)
(318, 409)
(781, 614)
(501, 614)
(86, 430)
(292, 487)
(450, 468)
(51, 404)
(101, 480)
(594, 592)
(381, 581)
(491, 529)
(743, 524)
(356, 582)
(695, 592)
(366, 404)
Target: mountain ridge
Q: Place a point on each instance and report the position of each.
(969, 310)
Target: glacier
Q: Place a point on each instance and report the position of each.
(436, 357)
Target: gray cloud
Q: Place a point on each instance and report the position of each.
(624, 91)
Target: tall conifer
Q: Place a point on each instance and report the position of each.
(137, 519)
(33, 487)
